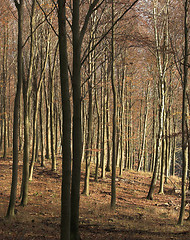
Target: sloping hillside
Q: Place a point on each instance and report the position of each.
(135, 217)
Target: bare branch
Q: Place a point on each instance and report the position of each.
(106, 33)
(46, 17)
(16, 4)
(89, 13)
(37, 27)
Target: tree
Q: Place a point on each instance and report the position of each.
(27, 82)
(37, 102)
(162, 64)
(66, 114)
(184, 115)
(78, 36)
(11, 207)
(113, 187)
(144, 130)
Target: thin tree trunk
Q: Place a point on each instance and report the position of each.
(25, 176)
(173, 147)
(52, 119)
(41, 128)
(48, 145)
(108, 167)
(130, 128)
(102, 160)
(98, 137)
(4, 91)
(122, 122)
(36, 112)
(163, 163)
(113, 186)
(88, 151)
(144, 130)
(26, 100)
(162, 72)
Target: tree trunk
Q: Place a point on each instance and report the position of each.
(144, 130)
(102, 160)
(41, 129)
(11, 207)
(37, 101)
(122, 122)
(163, 163)
(4, 89)
(88, 151)
(66, 114)
(26, 99)
(108, 167)
(98, 137)
(25, 176)
(48, 137)
(184, 118)
(77, 134)
(113, 187)
(162, 72)
(173, 150)
(52, 116)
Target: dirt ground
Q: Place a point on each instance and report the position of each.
(135, 217)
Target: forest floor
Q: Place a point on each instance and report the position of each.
(134, 218)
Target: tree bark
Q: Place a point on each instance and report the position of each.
(66, 114)
(144, 130)
(26, 99)
(77, 134)
(184, 118)
(114, 117)
(37, 98)
(162, 67)
(88, 152)
(11, 207)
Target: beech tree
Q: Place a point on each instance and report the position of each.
(11, 207)
(184, 114)
(66, 114)
(162, 64)
(113, 187)
(26, 83)
(117, 95)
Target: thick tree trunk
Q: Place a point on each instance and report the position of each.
(11, 207)
(184, 118)
(66, 114)
(77, 134)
